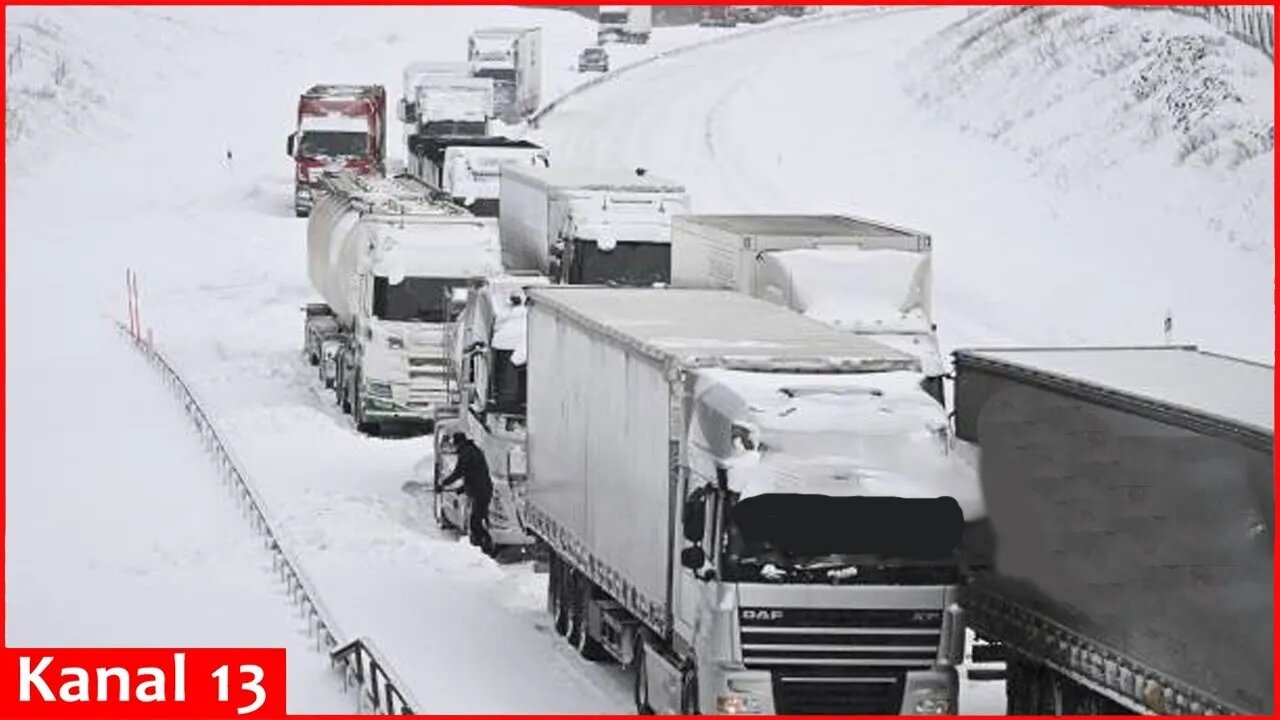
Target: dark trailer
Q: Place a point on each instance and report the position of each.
(1131, 503)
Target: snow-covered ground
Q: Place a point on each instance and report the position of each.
(119, 532)
(118, 159)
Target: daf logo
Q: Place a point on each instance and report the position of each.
(762, 615)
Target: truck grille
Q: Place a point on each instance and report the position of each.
(839, 661)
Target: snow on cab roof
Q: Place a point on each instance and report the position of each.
(800, 225)
(721, 327)
(1217, 386)
(595, 178)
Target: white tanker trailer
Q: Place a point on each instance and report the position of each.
(384, 254)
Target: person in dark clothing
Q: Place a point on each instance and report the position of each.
(473, 470)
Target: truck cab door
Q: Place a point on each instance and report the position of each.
(691, 587)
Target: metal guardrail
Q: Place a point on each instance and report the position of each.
(381, 690)
(1253, 25)
(378, 685)
(545, 110)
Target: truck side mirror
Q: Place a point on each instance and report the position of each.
(693, 557)
(288, 145)
(695, 517)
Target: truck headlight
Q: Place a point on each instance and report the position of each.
(933, 706)
(737, 704)
(379, 389)
(395, 343)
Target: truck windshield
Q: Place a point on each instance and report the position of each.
(782, 537)
(613, 18)
(327, 143)
(414, 299)
(630, 264)
(500, 74)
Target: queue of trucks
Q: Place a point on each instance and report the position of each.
(727, 439)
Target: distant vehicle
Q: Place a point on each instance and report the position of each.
(382, 253)
(789, 10)
(718, 16)
(753, 14)
(625, 23)
(467, 168)
(588, 225)
(443, 99)
(513, 58)
(593, 58)
(339, 127)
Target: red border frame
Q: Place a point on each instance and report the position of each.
(3, 300)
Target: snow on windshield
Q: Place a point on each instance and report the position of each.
(851, 288)
(863, 434)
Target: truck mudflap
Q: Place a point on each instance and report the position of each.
(1137, 687)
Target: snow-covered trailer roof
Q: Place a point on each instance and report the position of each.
(618, 179)
(435, 147)
(1175, 384)
(503, 31)
(395, 196)
(720, 328)
(807, 226)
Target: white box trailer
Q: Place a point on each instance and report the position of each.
(512, 57)
(859, 275)
(584, 225)
(655, 417)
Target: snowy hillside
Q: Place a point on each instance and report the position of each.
(1082, 95)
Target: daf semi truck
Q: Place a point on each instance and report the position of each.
(754, 512)
(624, 23)
(382, 252)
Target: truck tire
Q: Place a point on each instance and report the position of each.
(641, 689)
(556, 596)
(578, 596)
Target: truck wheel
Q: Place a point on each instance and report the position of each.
(556, 591)
(587, 646)
(642, 680)
(300, 212)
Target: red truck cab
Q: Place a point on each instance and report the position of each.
(340, 127)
